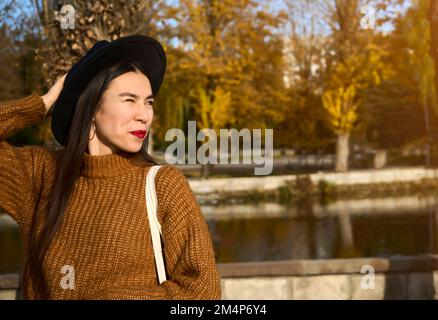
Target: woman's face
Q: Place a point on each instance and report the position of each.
(125, 106)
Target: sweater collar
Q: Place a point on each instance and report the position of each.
(108, 165)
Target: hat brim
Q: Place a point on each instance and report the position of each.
(144, 50)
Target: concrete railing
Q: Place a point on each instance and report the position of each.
(397, 205)
(266, 183)
(9, 286)
(394, 278)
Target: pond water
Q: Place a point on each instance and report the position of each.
(344, 229)
(269, 231)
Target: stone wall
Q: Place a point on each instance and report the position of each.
(262, 183)
(395, 278)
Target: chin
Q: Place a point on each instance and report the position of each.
(133, 149)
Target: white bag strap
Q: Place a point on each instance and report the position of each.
(155, 226)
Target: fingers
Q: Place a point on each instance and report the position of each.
(52, 95)
(60, 81)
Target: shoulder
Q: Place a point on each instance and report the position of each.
(39, 156)
(40, 166)
(169, 175)
(171, 181)
(173, 188)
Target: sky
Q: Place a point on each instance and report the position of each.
(277, 5)
(27, 7)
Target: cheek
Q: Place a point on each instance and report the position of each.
(115, 123)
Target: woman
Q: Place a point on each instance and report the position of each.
(81, 210)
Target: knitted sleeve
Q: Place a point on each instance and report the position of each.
(188, 247)
(17, 163)
(188, 251)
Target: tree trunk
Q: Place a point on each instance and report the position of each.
(205, 171)
(151, 142)
(342, 151)
(427, 146)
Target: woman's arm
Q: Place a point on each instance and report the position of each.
(16, 163)
(50, 97)
(188, 249)
(19, 164)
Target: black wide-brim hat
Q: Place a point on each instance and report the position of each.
(146, 51)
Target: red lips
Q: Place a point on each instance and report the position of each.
(139, 133)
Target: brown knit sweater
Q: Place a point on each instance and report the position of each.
(105, 233)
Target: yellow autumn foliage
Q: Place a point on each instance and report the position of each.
(341, 107)
(214, 110)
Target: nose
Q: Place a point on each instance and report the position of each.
(143, 114)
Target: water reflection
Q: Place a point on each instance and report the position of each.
(269, 231)
(389, 227)
(327, 238)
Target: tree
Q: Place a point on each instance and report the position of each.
(342, 108)
(429, 8)
(303, 125)
(433, 18)
(93, 21)
(406, 97)
(230, 46)
(353, 63)
(418, 37)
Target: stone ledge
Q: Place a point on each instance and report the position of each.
(327, 267)
(9, 281)
(353, 177)
(8, 294)
(391, 286)
(301, 268)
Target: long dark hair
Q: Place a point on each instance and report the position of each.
(68, 170)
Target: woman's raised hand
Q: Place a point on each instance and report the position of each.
(50, 97)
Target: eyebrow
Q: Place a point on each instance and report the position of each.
(133, 95)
